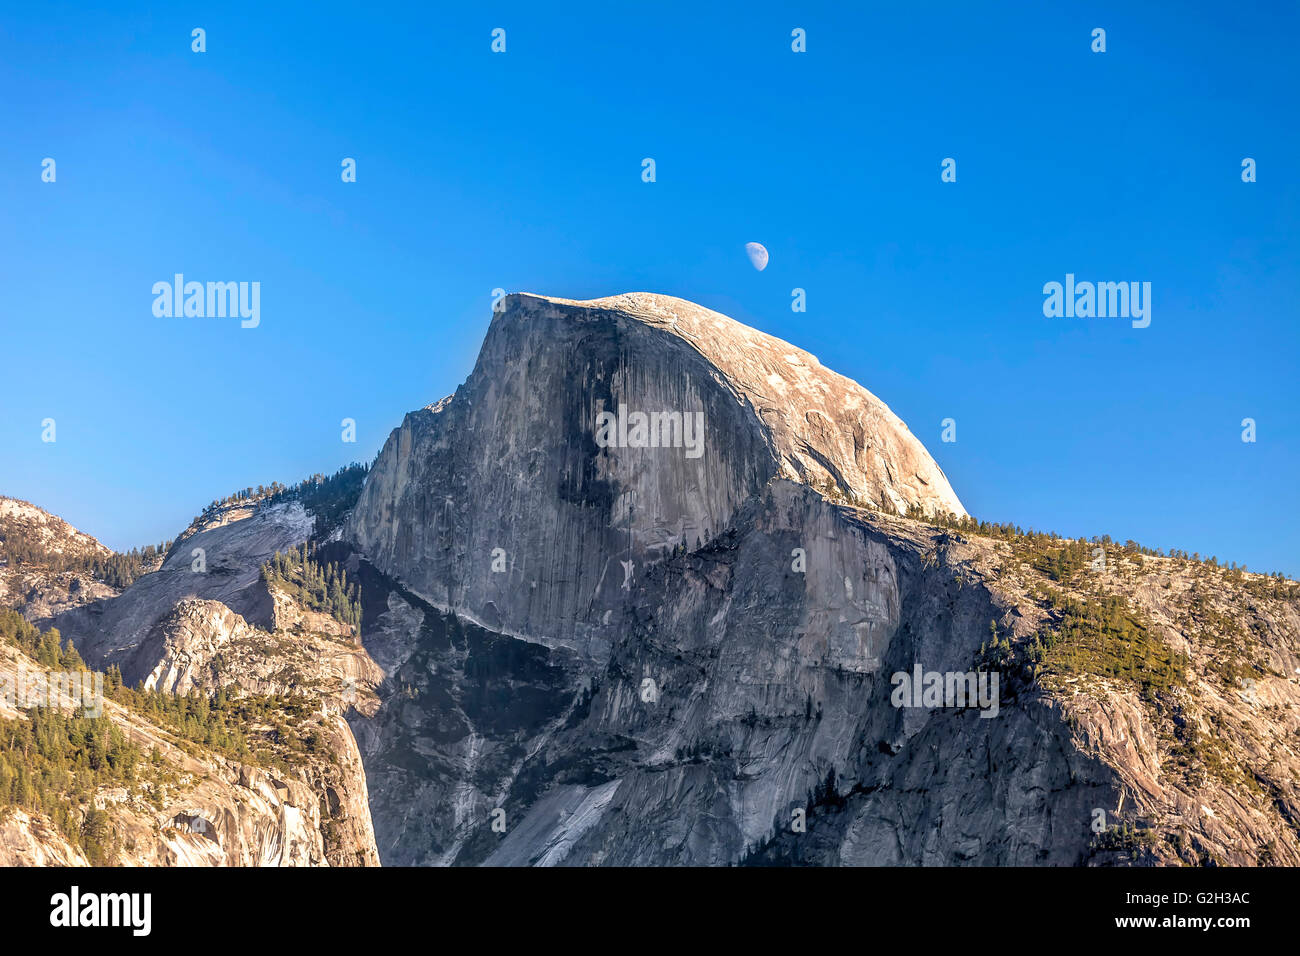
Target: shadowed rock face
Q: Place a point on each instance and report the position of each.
(765, 681)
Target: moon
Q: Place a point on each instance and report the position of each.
(757, 255)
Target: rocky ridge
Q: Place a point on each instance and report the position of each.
(39, 590)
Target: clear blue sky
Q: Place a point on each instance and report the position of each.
(523, 170)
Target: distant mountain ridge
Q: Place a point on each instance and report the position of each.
(44, 532)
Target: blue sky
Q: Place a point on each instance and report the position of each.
(522, 170)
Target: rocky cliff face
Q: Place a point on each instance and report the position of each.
(221, 563)
(736, 686)
(626, 654)
(203, 645)
(473, 499)
(207, 621)
(195, 807)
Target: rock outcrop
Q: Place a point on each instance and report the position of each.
(45, 586)
(221, 563)
(203, 645)
(46, 532)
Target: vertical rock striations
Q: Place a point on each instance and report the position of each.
(512, 460)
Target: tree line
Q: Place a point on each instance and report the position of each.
(328, 497)
(321, 586)
(1007, 531)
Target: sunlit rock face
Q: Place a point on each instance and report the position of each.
(206, 620)
(222, 563)
(527, 500)
(640, 593)
(201, 808)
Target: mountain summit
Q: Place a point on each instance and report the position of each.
(823, 429)
(522, 434)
